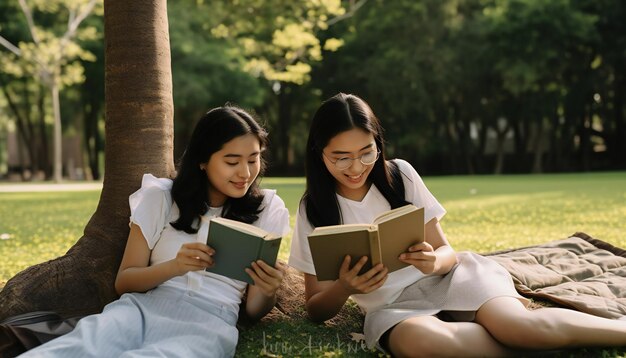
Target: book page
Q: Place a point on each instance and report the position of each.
(245, 228)
(336, 229)
(387, 215)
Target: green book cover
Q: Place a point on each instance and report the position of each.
(237, 244)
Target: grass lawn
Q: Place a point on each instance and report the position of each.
(485, 213)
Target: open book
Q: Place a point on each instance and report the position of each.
(391, 234)
(237, 244)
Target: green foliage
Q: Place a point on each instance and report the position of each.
(206, 70)
(51, 53)
(279, 38)
(435, 71)
(456, 72)
(532, 39)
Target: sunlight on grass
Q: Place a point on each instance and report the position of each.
(40, 226)
(485, 213)
(501, 212)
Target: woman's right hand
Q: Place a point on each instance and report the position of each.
(369, 281)
(193, 256)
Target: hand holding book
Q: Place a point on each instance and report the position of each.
(355, 282)
(265, 277)
(421, 256)
(239, 246)
(383, 241)
(192, 256)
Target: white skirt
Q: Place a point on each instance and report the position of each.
(472, 282)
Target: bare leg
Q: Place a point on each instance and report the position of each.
(429, 336)
(511, 323)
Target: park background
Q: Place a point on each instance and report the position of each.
(465, 90)
(461, 86)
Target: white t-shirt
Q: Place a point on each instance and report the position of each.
(365, 211)
(152, 209)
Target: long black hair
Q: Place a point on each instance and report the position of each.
(191, 186)
(338, 114)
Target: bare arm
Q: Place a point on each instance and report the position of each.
(434, 255)
(262, 295)
(324, 299)
(135, 274)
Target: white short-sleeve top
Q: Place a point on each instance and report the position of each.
(365, 211)
(152, 209)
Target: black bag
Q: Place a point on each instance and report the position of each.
(26, 331)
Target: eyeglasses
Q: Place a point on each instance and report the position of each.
(368, 158)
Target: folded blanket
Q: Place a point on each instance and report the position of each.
(579, 272)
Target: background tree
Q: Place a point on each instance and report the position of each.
(50, 57)
(409, 81)
(24, 98)
(473, 86)
(279, 41)
(464, 86)
(207, 71)
(138, 91)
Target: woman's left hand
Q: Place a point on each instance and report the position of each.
(267, 278)
(422, 256)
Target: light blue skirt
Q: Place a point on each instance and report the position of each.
(162, 322)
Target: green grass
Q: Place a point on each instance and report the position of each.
(485, 213)
(36, 226)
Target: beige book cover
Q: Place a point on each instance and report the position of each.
(391, 234)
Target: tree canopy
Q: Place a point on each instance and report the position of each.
(462, 86)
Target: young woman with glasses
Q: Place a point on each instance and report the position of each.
(444, 303)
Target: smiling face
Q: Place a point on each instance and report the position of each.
(351, 182)
(233, 168)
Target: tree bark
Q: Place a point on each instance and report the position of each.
(139, 139)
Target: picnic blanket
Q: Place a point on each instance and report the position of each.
(579, 272)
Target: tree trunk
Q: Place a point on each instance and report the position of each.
(452, 137)
(619, 135)
(24, 131)
(501, 134)
(284, 126)
(57, 137)
(139, 132)
(537, 147)
(42, 143)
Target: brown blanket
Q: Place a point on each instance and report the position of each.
(579, 272)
